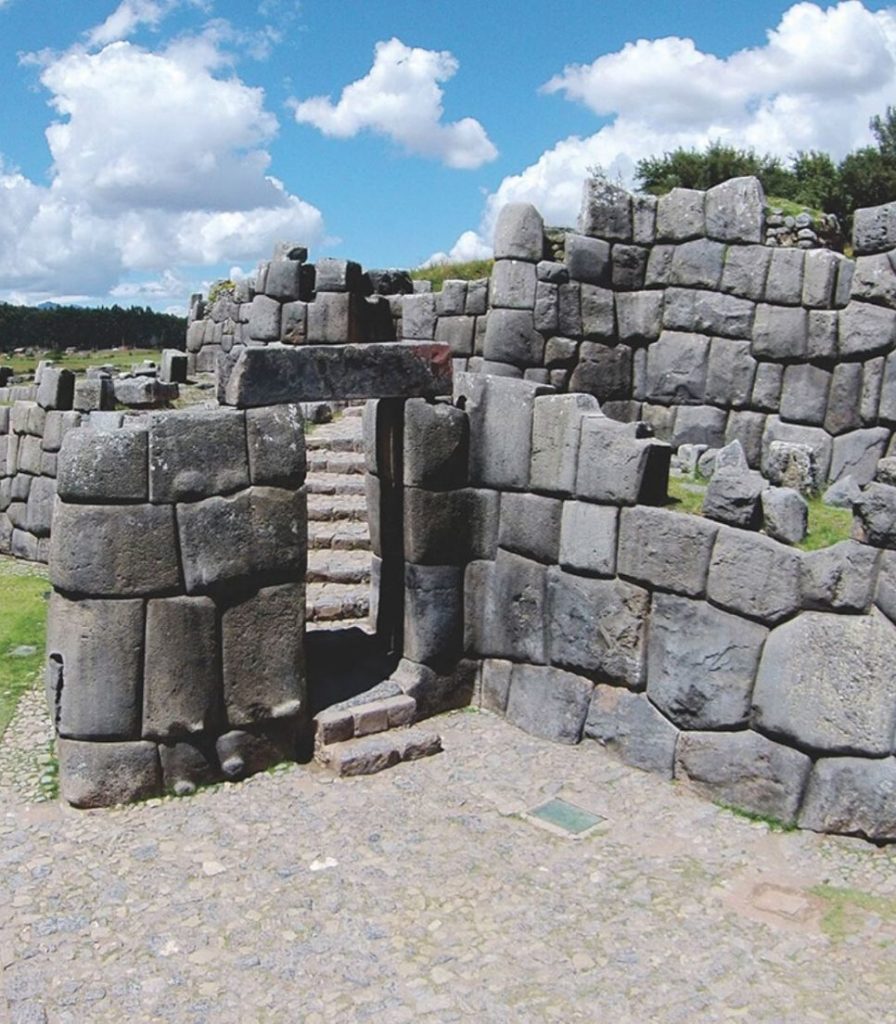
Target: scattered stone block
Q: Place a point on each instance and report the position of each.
(785, 514)
(174, 367)
(818, 440)
(186, 767)
(875, 516)
(734, 493)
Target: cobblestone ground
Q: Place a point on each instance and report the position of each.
(424, 893)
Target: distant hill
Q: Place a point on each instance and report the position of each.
(48, 305)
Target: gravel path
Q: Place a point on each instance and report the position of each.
(424, 893)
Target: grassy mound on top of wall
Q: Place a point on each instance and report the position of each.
(472, 270)
(24, 591)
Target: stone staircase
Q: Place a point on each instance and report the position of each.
(338, 577)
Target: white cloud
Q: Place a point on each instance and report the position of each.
(822, 74)
(400, 98)
(469, 246)
(127, 18)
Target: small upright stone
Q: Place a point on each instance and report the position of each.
(519, 233)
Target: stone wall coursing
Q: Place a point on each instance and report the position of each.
(176, 625)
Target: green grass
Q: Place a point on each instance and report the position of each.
(682, 498)
(442, 272)
(772, 824)
(121, 359)
(846, 909)
(23, 618)
(791, 209)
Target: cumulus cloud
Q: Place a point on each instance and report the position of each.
(157, 161)
(127, 18)
(819, 78)
(400, 97)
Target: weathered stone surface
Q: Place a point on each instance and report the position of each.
(785, 514)
(259, 531)
(530, 525)
(510, 337)
(844, 493)
(548, 702)
(606, 211)
(679, 215)
(643, 219)
(767, 386)
(113, 550)
(866, 329)
(569, 309)
(458, 333)
(819, 441)
(195, 454)
(805, 394)
(665, 549)
(754, 576)
(556, 432)
(852, 796)
(699, 424)
(598, 626)
(57, 425)
(449, 527)
(29, 455)
(875, 515)
(872, 382)
(825, 682)
(822, 340)
(264, 319)
(495, 686)
(839, 578)
(186, 767)
(56, 388)
(174, 367)
(105, 774)
(619, 468)
(588, 537)
(780, 332)
(241, 752)
(844, 398)
(96, 648)
(745, 770)
(603, 371)
(334, 275)
(275, 440)
(629, 267)
(93, 393)
(745, 272)
(98, 467)
(639, 315)
(701, 663)
(181, 676)
(630, 726)
(512, 284)
(676, 368)
(874, 229)
(435, 692)
(697, 264)
(708, 312)
(519, 233)
(39, 508)
(784, 284)
(598, 313)
(820, 278)
(436, 445)
(263, 663)
(734, 492)
(856, 454)
(735, 211)
(418, 317)
(730, 373)
(546, 316)
(514, 610)
(747, 427)
(275, 374)
(433, 613)
(588, 259)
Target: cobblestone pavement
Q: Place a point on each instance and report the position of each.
(424, 893)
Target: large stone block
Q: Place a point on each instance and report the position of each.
(699, 424)
(556, 434)
(734, 492)
(113, 550)
(735, 211)
(495, 685)
(784, 284)
(679, 215)
(844, 399)
(630, 726)
(754, 576)
(458, 333)
(569, 309)
(767, 386)
(56, 389)
(746, 270)
(335, 275)
(436, 445)
(780, 332)
(512, 285)
(606, 211)
(105, 774)
(708, 312)
(701, 663)
(418, 317)
(643, 219)
(823, 327)
(588, 259)
(852, 796)
(618, 468)
(284, 280)
(639, 315)
(813, 437)
(588, 538)
(820, 278)
(548, 702)
(604, 372)
(666, 550)
(39, 508)
(275, 440)
(275, 374)
(335, 318)
(97, 467)
(804, 396)
(196, 454)
(874, 229)
(263, 655)
(745, 770)
(698, 264)
(449, 527)
(676, 368)
(839, 578)
(825, 682)
(95, 651)
(785, 514)
(875, 515)
(856, 454)
(872, 385)
(264, 319)
(509, 598)
(546, 316)
(510, 337)
(866, 329)
(530, 526)
(598, 313)
(181, 675)
(629, 267)
(433, 613)
(598, 626)
(57, 425)
(259, 531)
(730, 373)
(519, 233)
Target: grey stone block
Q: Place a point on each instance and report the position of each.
(436, 445)
(174, 366)
(510, 336)
(733, 495)
(495, 687)
(93, 393)
(548, 702)
(458, 333)
(448, 527)
(665, 550)
(679, 215)
(435, 692)
(852, 796)
(556, 433)
(275, 441)
(804, 394)
(105, 774)
(701, 663)
(56, 388)
(639, 315)
(842, 494)
(96, 467)
(333, 275)
(512, 285)
(823, 327)
(284, 373)
(477, 297)
(767, 386)
(784, 284)
(24, 545)
(552, 272)
(604, 372)
(699, 424)
(676, 368)
(588, 259)
(260, 531)
(546, 317)
(820, 278)
(588, 538)
(606, 211)
(433, 613)
(824, 683)
(689, 309)
(569, 309)
(866, 329)
(519, 233)
(263, 661)
(530, 526)
(39, 509)
(242, 752)
(746, 270)
(887, 406)
(844, 399)
(659, 266)
(818, 440)
(284, 280)
(598, 626)
(294, 323)
(598, 314)
(96, 648)
(785, 514)
(334, 318)
(181, 675)
(629, 267)
(264, 319)
(875, 515)
(186, 767)
(618, 468)
(418, 317)
(113, 550)
(745, 770)
(856, 454)
(735, 211)
(780, 332)
(631, 727)
(57, 425)
(872, 383)
(697, 264)
(839, 578)
(754, 576)
(643, 219)
(513, 608)
(195, 454)
(874, 229)
(730, 373)
(29, 454)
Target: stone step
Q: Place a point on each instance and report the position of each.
(315, 625)
(370, 754)
(354, 410)
(323, 508)
(326, 566)
(387, 708)
(335, 483)
(342, 442)
(328, 461)
(339, 535)
(336, 602)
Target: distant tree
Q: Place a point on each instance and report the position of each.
(817, 182)
(884, 130)
(868, 178)
(690, 168)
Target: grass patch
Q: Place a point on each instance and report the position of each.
(442, 272)
(23, 620)
(686, 495)
(790, 208)
(846, 909)
(771, 823)
(827, 525)
(121, 359)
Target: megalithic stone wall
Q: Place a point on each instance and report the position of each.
(176, 625)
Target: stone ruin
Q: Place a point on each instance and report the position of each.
(518, 438)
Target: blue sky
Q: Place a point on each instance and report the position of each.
(150, 147)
